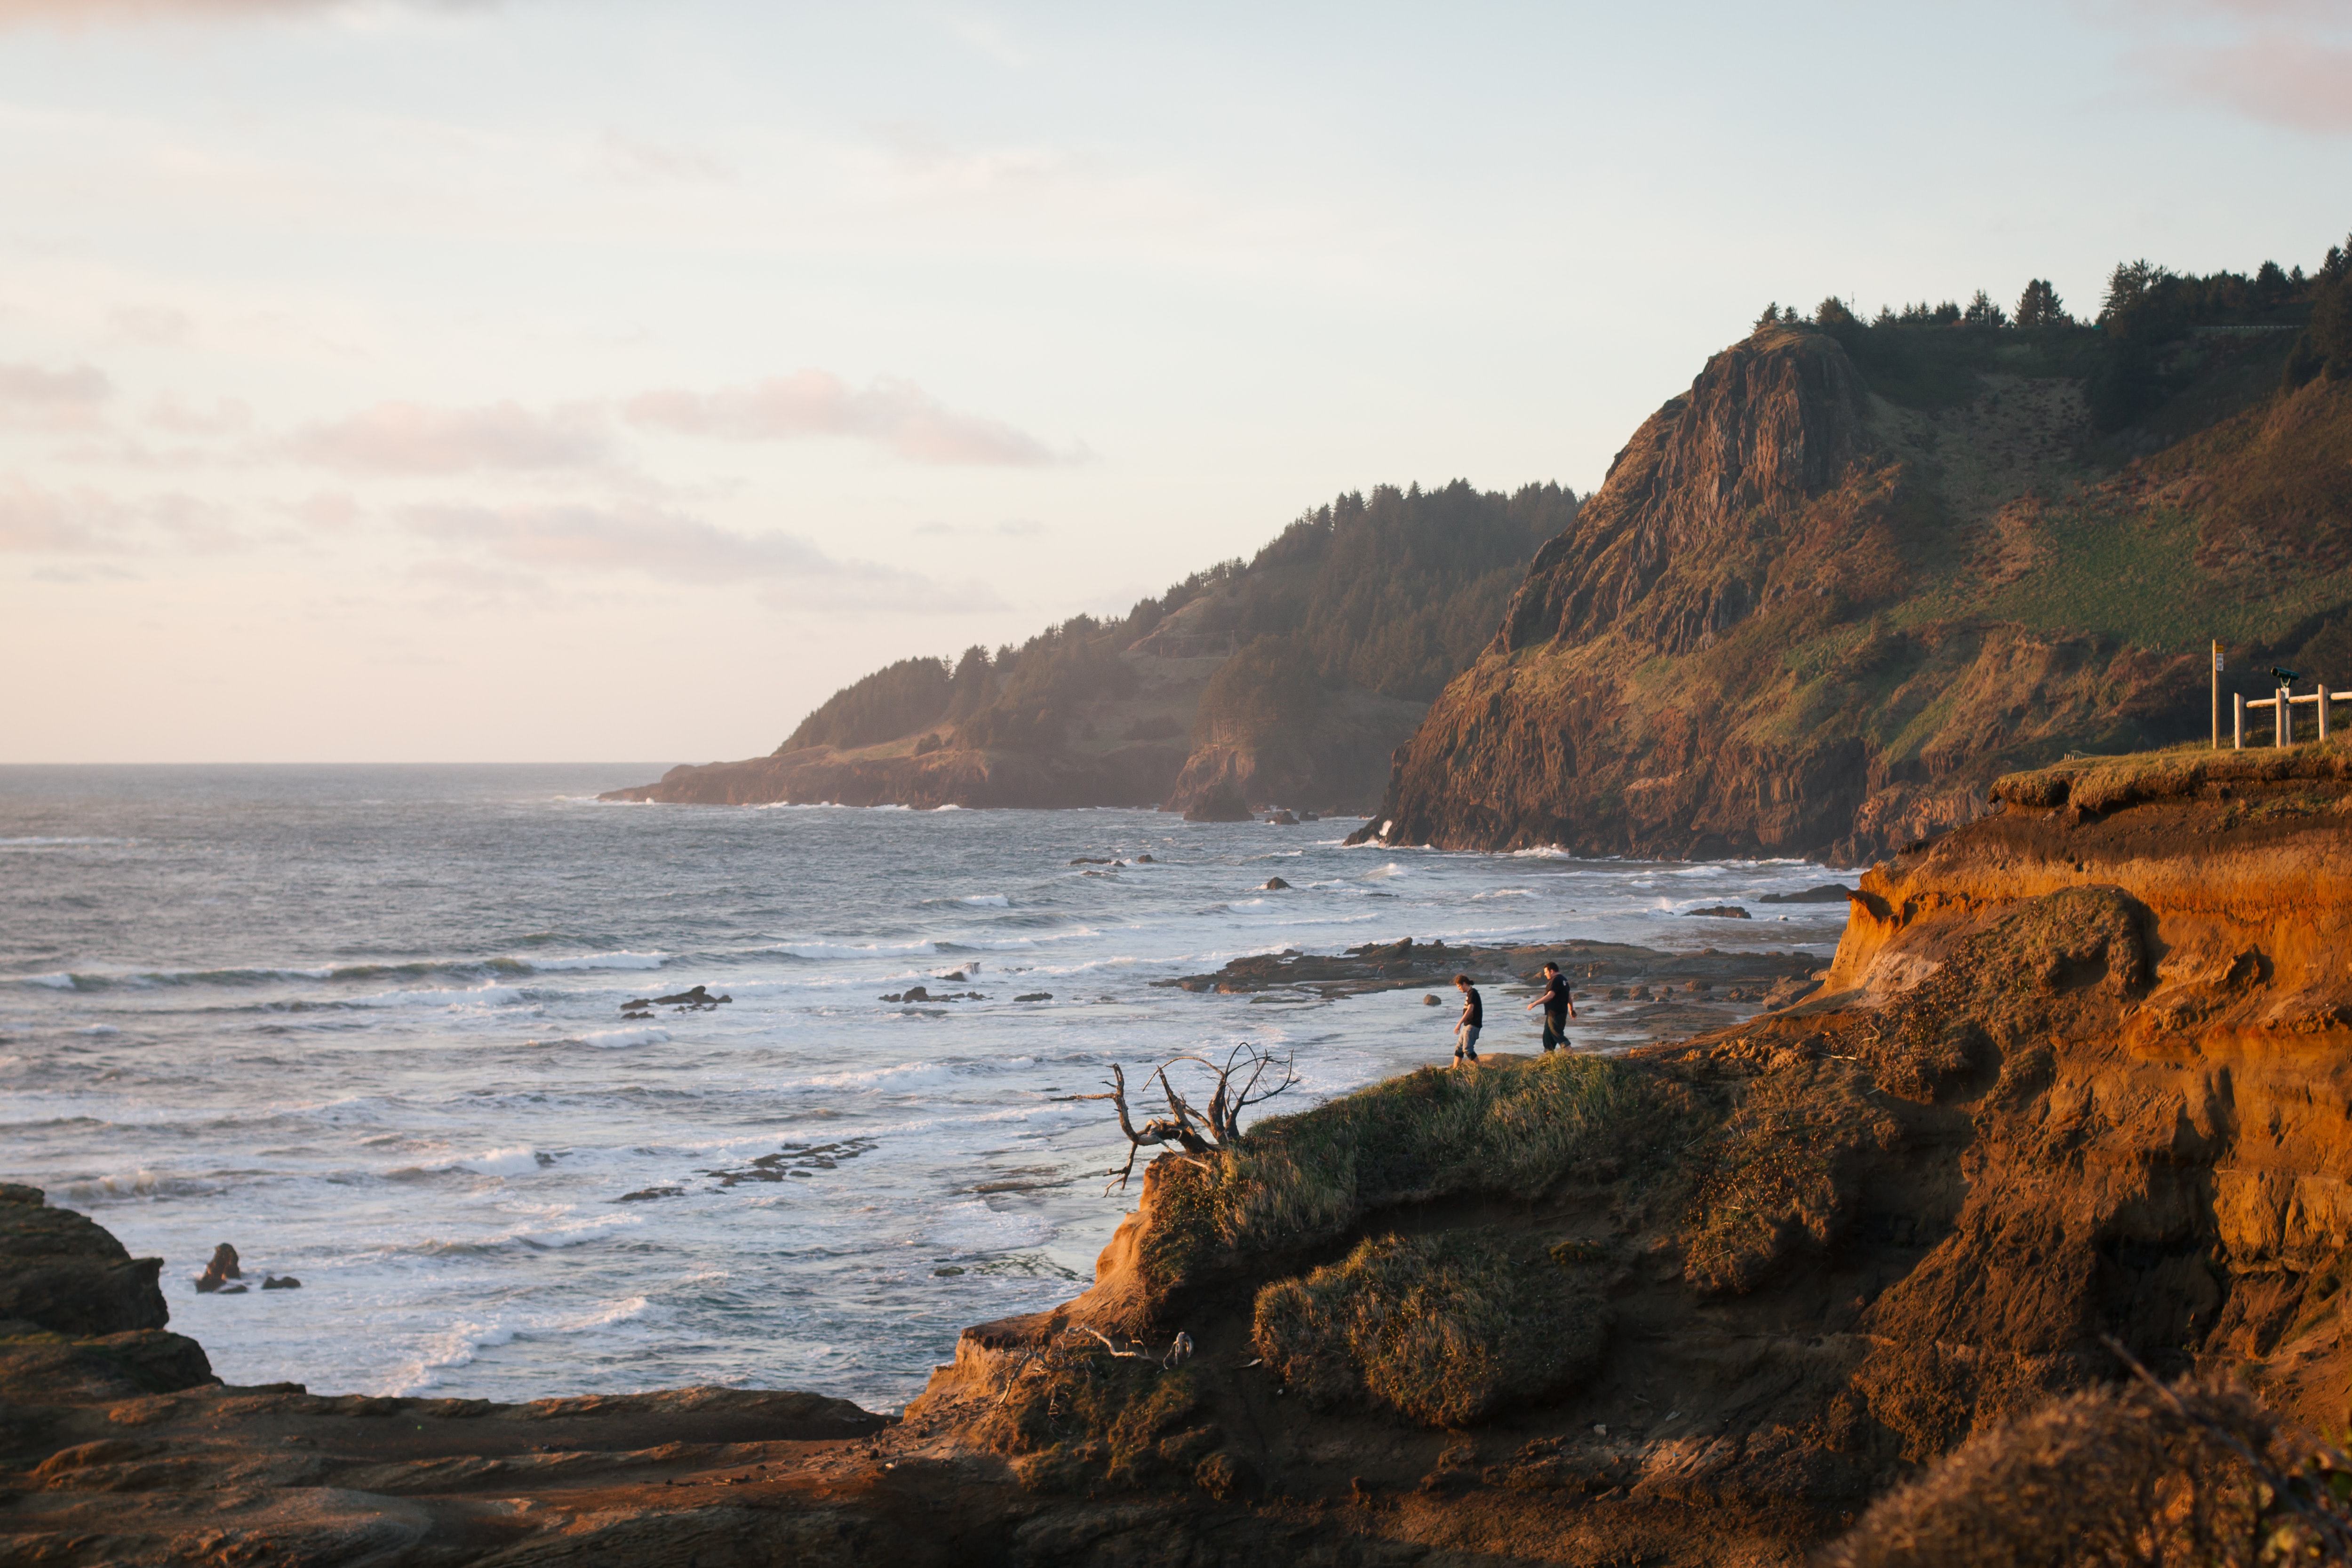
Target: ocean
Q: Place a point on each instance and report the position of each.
(364, 1023)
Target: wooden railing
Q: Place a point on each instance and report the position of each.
(2283, 705)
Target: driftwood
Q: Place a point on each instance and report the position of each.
(1241, 1082)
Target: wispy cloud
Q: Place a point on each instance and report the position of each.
(154, 325)
(892, 413)
(636, 159)
(2281, 62)
(413, 438)
(53, 400)
(50, 522)
(84, 13)
(658, 542)
(2275, 77)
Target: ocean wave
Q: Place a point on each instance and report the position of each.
(613, 1039)
(520, 1160)
(1380, 873)
(984, 901)
(599, 961)
(345, 974)
(132, 1185)
(40, 841)
(97, 1028)
(1505, 892)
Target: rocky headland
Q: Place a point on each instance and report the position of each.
(1855, 574)
(2075, 1088)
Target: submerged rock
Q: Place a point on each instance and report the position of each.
(1274, 884)
(1720, 912)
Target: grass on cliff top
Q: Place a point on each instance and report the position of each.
(2105, 783)
(1445, 1329)
(1516, 1128)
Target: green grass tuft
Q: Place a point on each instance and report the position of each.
(1515, 1128)
(1445, 1329)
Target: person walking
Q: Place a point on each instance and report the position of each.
(1466, 1028)
(1558, 1005)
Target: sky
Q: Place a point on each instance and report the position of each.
(572, 380)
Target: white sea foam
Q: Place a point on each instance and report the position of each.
(987, 900)
(600, 961)
(1382, 872)
(616, 1039)
(1505, 892)
(38, 842)
(97, 1028)
(522, 1160)
(59, 982)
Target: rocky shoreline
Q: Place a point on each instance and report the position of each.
(2075, 1087)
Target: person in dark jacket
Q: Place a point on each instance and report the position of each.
(1466, 1028)
(1558, 1005)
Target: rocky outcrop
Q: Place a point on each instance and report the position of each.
(1141, 775)
(64, 1272)
(1802, 619)
(2086, 1076)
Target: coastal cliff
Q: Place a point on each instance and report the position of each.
(1852, 576)
(1286, 680)
(2078, 1083)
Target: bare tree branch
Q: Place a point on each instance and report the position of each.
(1237, 1086)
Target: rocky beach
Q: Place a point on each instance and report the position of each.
(2074, 1085)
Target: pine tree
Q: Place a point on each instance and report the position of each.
(1983, 312)
(2039, 306)
(1771, 317)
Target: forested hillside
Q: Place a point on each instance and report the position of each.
(1284, 679)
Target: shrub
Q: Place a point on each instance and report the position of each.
(1445, 1329)
(2196, 1473)
(1521, 1128)
(883, 706)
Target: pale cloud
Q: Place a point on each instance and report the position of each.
(83, 13)
(2281, 62)
(326, 511)
(155, 325)
(634, 158)
(892, 413)
(227, 416)
(53, 400)
(658, 542)
(413, 438)
(2273, 77)
(50, 522)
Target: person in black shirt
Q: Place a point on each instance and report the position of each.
(1558, 1007)
(1466, 1028)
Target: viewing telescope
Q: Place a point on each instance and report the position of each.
(2284, 677)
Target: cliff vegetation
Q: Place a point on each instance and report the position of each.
(1861, 569)
(1288, 678)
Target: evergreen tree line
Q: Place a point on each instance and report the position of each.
(1394, 593)
(2144, 314)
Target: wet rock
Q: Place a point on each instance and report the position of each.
(1092, 860)
(1035, 997)
(1828, 893)
(1274, 884)
(1283, 819)
(693, 996)
(1720, 912)
(281, 1283)
(221, 1269)
(1430, 1001)
(1145, 860)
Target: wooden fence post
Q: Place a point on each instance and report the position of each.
(2217, 696)
(2238, 720)
(2283, 722)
